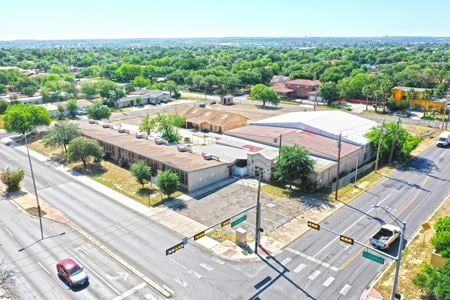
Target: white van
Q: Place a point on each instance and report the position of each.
(444, 139)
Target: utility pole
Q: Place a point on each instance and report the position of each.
(338, 166)
(356, 171)
(391, 155)
(379, 145)
(35, 189)
(279, 146)
(258, 215)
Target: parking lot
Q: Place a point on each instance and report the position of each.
(239, 196)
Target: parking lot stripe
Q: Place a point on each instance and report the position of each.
(217, 260)
(328, 281)
(299, 268)
(345, 289)
(39, 263)
(286, 261)
(314, 275)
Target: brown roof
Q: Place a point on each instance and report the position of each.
(281, 88)
(168, 155)
(201, 115)
(318, 145)
(305, 82)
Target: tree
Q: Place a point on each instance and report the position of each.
(427, 94)
(98, 111)
(61, 134)
(294, 163)
(165, 124)
(142, 171)
(12, 179)
(439, 91)
(3, 89)
(168, 182)
(7, 281)
(146, 125)
(333, 74)
(138, 100)
(404, 142)
(140, 81)
(72, 107)
(3, 106)
(82, 149)
(172, 87)
(60, 111)
(441, 240)
(23, 118)
(89, 89)
(329, 92)
(265, 94)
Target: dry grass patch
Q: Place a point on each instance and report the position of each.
(414, 257)
(52, 153)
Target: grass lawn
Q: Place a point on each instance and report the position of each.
(110, 175)
(414, 257)
(1, 122)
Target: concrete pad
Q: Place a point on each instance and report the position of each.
(207, 242)
(28, 203)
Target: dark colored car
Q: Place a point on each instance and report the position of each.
(72, 273)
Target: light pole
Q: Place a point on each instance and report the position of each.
(258, 214)
(400, 248)
(35, 189)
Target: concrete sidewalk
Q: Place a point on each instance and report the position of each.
(274, 242)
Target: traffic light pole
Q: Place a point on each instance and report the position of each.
(398, 262)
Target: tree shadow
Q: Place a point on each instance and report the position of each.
(175, 204)
(145, 192)
(419, 164)
(90, 170)
(268, 107)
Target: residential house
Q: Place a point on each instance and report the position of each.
(399, 93)
(296, 88)
(146, 96)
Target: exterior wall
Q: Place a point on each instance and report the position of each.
(399, 95)
(301, 90)
(257, 161)
(204, 177)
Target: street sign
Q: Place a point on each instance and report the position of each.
(199, 235)
(225, 222)
(313, 225)
(346, 239)
(175, 248)
(373, 257)
(426, 226)
(239, 221)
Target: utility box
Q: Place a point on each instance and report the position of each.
(241, 237)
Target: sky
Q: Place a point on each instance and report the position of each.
(101, 19)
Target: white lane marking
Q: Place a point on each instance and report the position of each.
(315, 260)
(286, 261)
(195, 274)
(180, 282)
(8, 231)
(345, 289)
(314, 275)
(119, 275)
(131, 291)
(90, 270)
(206, 267)
(217, 260)
(348, 228)
(121, 228)
(299, 268)
(39, 263)
(328, 281)
(174, 261)
(149, 297)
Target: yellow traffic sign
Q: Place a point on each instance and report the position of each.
(426, 226)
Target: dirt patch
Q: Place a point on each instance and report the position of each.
(34, 211)
(415, 256)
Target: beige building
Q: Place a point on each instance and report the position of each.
(205, 119)
(193, 170)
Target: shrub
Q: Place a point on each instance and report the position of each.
(12, 179)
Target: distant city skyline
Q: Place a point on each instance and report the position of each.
(101, 19)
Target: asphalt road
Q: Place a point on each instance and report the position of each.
(315, 266)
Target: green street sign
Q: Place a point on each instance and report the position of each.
(239, 221)
(373, 257)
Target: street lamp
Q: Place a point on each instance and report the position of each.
(400, 248)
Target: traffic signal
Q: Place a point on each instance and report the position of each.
(313, 225)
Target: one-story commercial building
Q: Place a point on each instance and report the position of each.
(193, 170)
(205, 119)
(145, 96)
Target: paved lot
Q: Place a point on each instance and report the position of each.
(240, 195)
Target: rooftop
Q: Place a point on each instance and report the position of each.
(281, 88)
(168, 155)
(216, 117)
(304, 82)
(405, 88)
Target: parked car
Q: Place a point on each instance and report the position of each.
(202, 105)
(140, 135)
(160, 141)
(92, 121)
(107, 125)
(122, 130)
(385, 237)
(72, 273)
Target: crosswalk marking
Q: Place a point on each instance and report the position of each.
(328, 281)
(286, 260)
(217, 260)
(345, 289)
(206, 267)
(315, 260)
(299, 268)
(314, 275)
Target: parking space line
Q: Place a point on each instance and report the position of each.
(218, 260)
(131, 291)
(180, 282)
(313, 275)
(299, 268)
(8, 231)
(345, 289)
(286, 261)
(328, 281)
